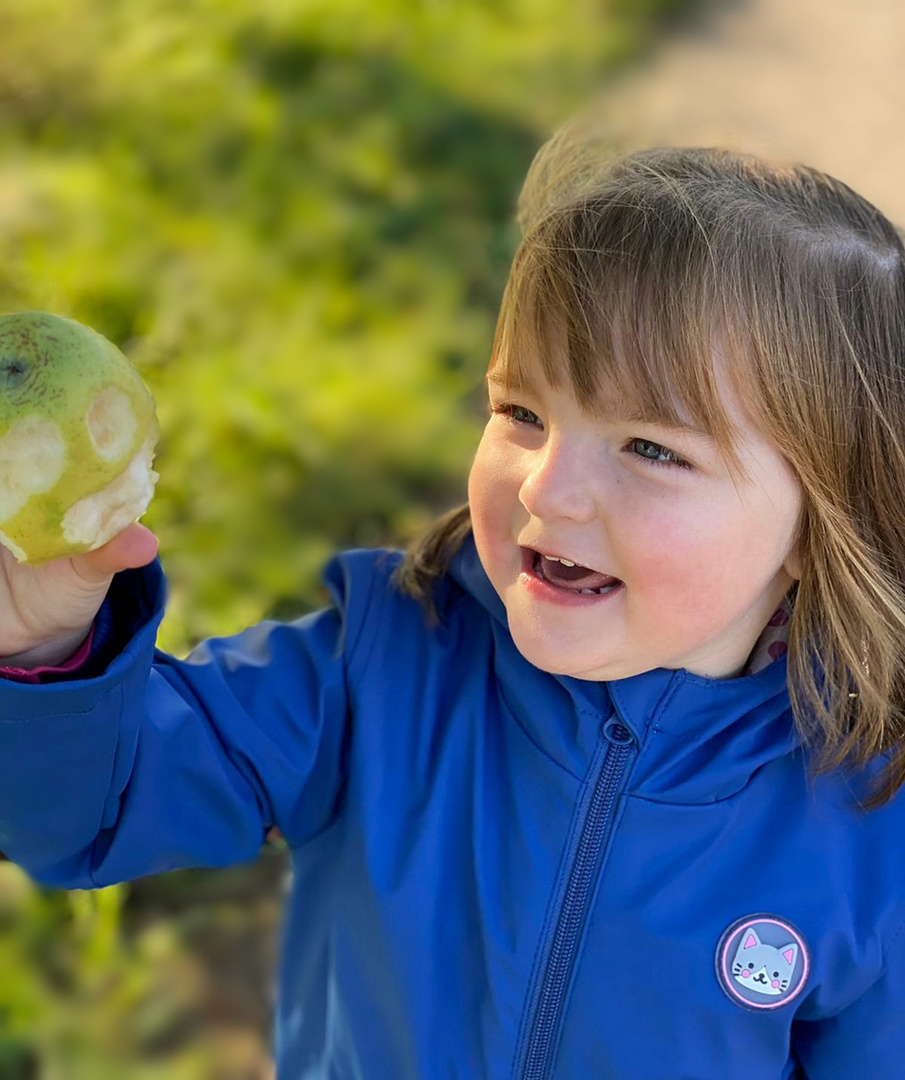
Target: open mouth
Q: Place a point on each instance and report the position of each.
(571, 577)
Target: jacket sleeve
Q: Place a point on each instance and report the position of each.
(866, 1039)
(157, 763)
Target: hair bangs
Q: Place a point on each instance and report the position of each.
(628, 336)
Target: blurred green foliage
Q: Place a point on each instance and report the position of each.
(97, 986)
(296, 219)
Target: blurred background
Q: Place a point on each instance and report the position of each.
(295, 217)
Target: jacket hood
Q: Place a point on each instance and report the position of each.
(700, 739)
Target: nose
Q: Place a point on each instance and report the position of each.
(559, 483)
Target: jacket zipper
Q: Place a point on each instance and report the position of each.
(582, 877)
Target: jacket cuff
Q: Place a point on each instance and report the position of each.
(44, 673)
(126, 623)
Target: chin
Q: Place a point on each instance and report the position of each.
(556, 664)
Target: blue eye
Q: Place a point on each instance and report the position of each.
(657, 454)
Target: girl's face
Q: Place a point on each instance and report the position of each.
(695, 561)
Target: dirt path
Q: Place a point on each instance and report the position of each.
(818, 81)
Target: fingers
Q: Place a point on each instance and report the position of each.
(135, 546)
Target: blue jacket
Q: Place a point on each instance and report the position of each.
(497, 873)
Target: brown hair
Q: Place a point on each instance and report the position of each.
(650, 264)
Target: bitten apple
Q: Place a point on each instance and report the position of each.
(78, 429)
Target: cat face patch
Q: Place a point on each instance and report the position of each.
(762, 962)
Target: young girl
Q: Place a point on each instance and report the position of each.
(559, 802)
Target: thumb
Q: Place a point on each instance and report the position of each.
(135, 546)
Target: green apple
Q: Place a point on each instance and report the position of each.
(78, 429)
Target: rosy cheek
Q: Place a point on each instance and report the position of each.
(488, 503)
(478, 505)
(479, 480)
(680, 567)
(664, 552)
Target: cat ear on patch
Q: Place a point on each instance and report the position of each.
(789, 953)
(762, 962)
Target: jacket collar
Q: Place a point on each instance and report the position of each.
(700, 739)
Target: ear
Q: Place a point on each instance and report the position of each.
(792, 565)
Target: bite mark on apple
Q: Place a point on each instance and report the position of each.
(32, 458)
(111, 423)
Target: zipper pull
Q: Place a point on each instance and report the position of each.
(616, 733)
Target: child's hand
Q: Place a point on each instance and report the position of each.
(46, 611)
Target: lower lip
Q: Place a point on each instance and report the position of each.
(539, 589)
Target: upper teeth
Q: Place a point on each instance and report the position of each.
(553, 558)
